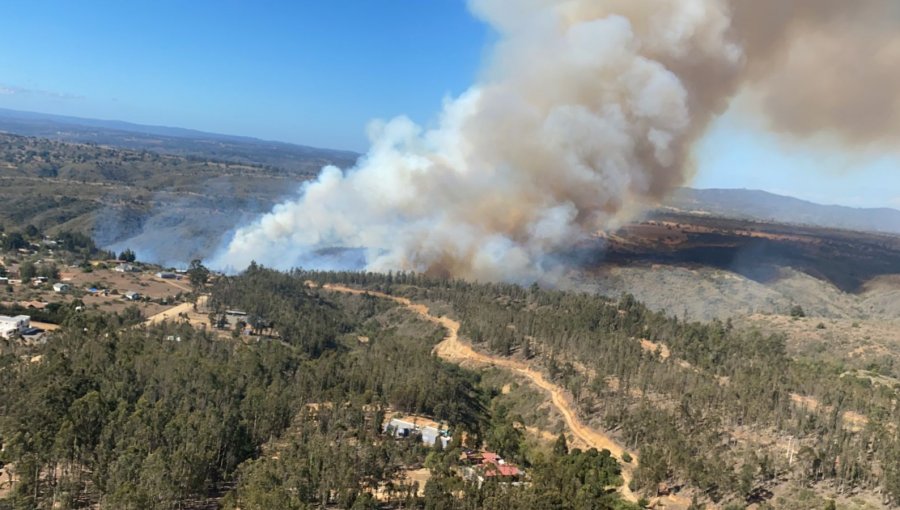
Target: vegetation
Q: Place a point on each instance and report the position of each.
(296, 159)
(114, 194)
(168, 416)
(682, 413)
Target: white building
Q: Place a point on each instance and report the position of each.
(11, 326)
(429, 434)
(61, 287)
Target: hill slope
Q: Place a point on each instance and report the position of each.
(765, 206)
(168, 208)
(177, 141)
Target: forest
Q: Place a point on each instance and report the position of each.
(290, 414)
(115, 413)
(686, 395)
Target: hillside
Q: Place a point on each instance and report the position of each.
(764, 206)
(290, 409)
(797, 342)
(176, 141)
(168, 208)
(710, 266)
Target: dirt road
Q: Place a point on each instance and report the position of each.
(184, 308)
(174, 283)
(171, 313)
(454, 350)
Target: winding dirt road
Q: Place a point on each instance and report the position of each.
(454, 350)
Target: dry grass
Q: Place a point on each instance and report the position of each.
(859, 344)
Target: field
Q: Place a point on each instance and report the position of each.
(156, 294)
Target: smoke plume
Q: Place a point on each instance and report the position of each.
(585, 113)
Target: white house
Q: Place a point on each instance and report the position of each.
(61, 287)
(429, 434)
(132, 296)
(124, 268)
(11, 326)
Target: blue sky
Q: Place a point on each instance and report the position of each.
(306, 72)
(736, 153)
(316, 72)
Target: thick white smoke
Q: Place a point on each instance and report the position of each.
(586, 113)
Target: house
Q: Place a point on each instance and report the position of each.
(132, 295)
(12, 326)
(502, 471)
(235, 317)
(166, 275)
(481, 466)
(429, 433)
(124, 268)
(61, 287)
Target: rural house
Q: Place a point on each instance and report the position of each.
(235, 317)
(481, 466)
(429, 432)
(11, 326)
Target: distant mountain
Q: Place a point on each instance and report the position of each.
(177, 141)
(765, 206)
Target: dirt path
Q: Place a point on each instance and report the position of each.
(171, 313)
(174, 284)
(452, 349)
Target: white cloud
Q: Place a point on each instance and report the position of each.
(10, 90)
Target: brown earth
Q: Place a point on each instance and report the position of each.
(179, 311)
